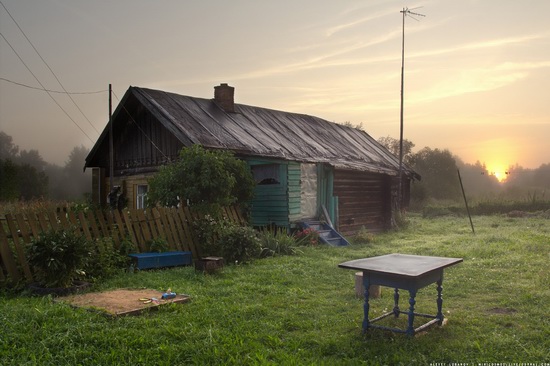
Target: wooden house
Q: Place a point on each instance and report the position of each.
(301, 163)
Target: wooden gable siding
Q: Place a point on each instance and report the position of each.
(364, 200)
(143, 141)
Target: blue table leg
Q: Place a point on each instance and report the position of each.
(440, 302)
(412, 302)
(396, 302)
(366, 284)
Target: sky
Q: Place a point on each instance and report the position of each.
(476, 81)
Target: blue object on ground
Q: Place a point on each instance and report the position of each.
(159, 260)
(166, 295)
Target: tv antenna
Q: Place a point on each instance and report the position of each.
(406, 12)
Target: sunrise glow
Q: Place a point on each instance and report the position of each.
(480, 94)
(499, 171)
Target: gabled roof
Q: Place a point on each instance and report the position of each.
(263, 132)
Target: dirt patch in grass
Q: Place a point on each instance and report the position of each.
(122, 301)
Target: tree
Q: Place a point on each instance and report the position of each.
(32, 183)
(207, 179)
(9, 181)
(439, 173)
(358, 126)
(8, 150)
(32, 158)
(19, 179)
(393, 146)
(477, 180)
(70, 182)
(56, 181)
(21, 182)
(77, 182)
(541, 177)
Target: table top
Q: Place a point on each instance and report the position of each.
(401, 264)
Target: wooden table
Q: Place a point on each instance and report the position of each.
(407, 272)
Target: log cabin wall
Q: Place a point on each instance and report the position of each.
(364, 200)
(129, 189)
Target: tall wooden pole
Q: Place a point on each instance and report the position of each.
(405, 12)
(111, 152)
(400, 198)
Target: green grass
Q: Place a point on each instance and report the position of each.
(302, 309)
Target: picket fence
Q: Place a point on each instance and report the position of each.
(140, 226)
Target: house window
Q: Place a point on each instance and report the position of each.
(141, 196)
(266, 174)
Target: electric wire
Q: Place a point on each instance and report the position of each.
(49, 68)
(50, 95)
(50, 90)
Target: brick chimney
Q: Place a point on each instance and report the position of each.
(224, 96)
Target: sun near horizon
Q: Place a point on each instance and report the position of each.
(498, 170)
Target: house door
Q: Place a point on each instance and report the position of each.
(325, 174)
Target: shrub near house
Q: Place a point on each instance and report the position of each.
(207, 179)
(59, 258)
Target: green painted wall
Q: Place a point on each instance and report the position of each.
(276, 203)
(294, 191)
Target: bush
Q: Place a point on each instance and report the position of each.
(157, 245)
(206, 179)
(127, 246)
(276, 242)
(240, 243)
(107, 261)
(364, 236)
(59, 258)
(221, 237)
(400, 219)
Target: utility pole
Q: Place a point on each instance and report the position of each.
(405, 12)
(111, 152)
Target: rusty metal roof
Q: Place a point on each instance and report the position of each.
(263, 132)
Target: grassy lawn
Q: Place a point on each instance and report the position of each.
(302, 309)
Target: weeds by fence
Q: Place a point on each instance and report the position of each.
(139, 226)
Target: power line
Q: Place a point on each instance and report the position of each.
(52, 91)
(51, 96)
(141, 130)
(48, 66)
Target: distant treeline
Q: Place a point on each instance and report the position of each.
(24, 175)
(440, 182)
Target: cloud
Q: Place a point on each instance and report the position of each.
(335, 29)
(479, 80)
(492, 43)
(329, 58)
